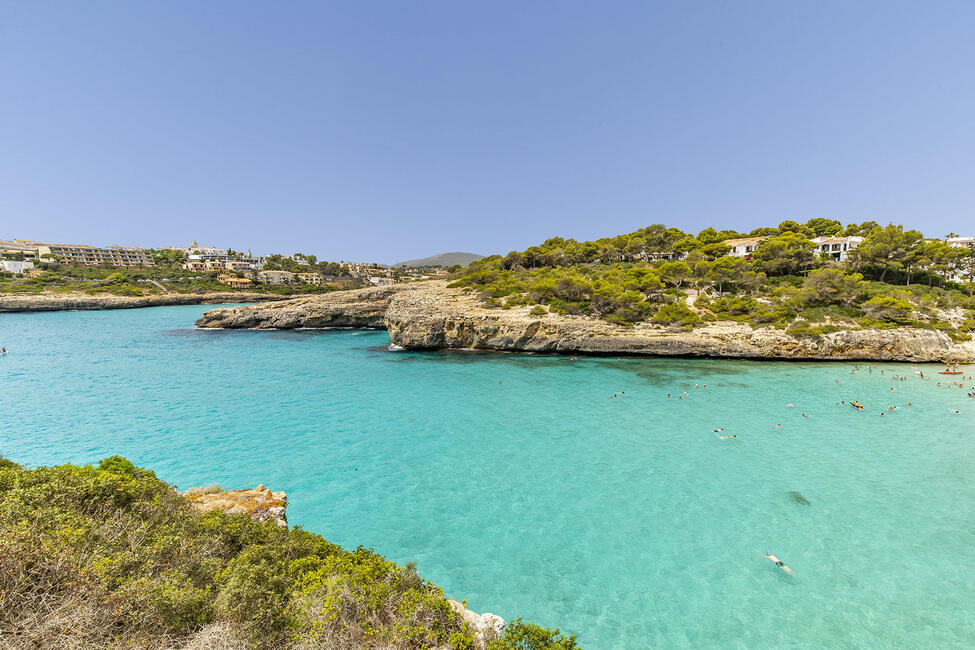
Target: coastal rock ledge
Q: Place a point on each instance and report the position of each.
(430, 315)
(260, 503)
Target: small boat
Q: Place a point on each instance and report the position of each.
(857, 404)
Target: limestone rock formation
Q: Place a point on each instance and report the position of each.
(260, 503)
(487, 627)
(430, 315)
(355, 308)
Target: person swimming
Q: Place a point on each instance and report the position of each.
(717, 430)
(727, 437)
(779, 563)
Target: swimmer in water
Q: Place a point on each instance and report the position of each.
(778, 426)
(779, 563)
(804, 415)
(727, 437)
(717, 430)
(955, 411)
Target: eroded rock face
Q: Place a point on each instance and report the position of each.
(429, 315)
(355, 308)
(260, 503)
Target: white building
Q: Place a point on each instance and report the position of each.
(15, 267)
(836, 247)
(961, 274)
(743, 247)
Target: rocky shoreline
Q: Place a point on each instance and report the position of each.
(429, 315)
(261, 504)
(83, 301)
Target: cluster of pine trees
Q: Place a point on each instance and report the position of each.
(650, 273)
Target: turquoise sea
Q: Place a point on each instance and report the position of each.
(521, 484)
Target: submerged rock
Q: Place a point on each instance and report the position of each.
(260, 503)
(798, 498)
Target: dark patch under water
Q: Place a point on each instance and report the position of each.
(800, 499)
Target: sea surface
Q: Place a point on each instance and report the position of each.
(523, 485)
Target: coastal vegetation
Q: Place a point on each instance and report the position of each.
(110, 556)
(892, 278)
(168, 275)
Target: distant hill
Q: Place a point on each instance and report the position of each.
(443, 259)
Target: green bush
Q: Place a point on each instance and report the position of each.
(676, 313)
(519, 635)
(889, 308)
(111, 556)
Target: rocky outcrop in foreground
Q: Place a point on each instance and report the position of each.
(429, 315)
(264, 505)
(356, 308)
(487, 626)
(260, 503)
(84, 301)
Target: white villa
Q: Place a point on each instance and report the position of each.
(836, 247)
(743, 247)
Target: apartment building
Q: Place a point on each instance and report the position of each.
(234, 281)
(21, 247)
(78, 253)
(276, 277)
(316, 279)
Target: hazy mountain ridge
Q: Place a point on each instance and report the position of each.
(443, 259)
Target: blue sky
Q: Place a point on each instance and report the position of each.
(383, 131)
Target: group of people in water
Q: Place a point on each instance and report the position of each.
(720, 432)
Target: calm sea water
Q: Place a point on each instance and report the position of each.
(519, 482)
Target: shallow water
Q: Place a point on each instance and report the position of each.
(519, 483)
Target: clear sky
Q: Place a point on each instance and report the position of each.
(382, 131)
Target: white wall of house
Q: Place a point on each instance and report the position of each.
(15, 267)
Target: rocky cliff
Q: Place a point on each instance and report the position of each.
(430, 315)
(83, 301)
(357, 308)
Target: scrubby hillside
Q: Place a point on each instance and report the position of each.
(110, 556)
(663, 275)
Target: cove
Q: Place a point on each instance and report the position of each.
(521, 484)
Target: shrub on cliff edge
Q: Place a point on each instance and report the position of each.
(110, 556)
